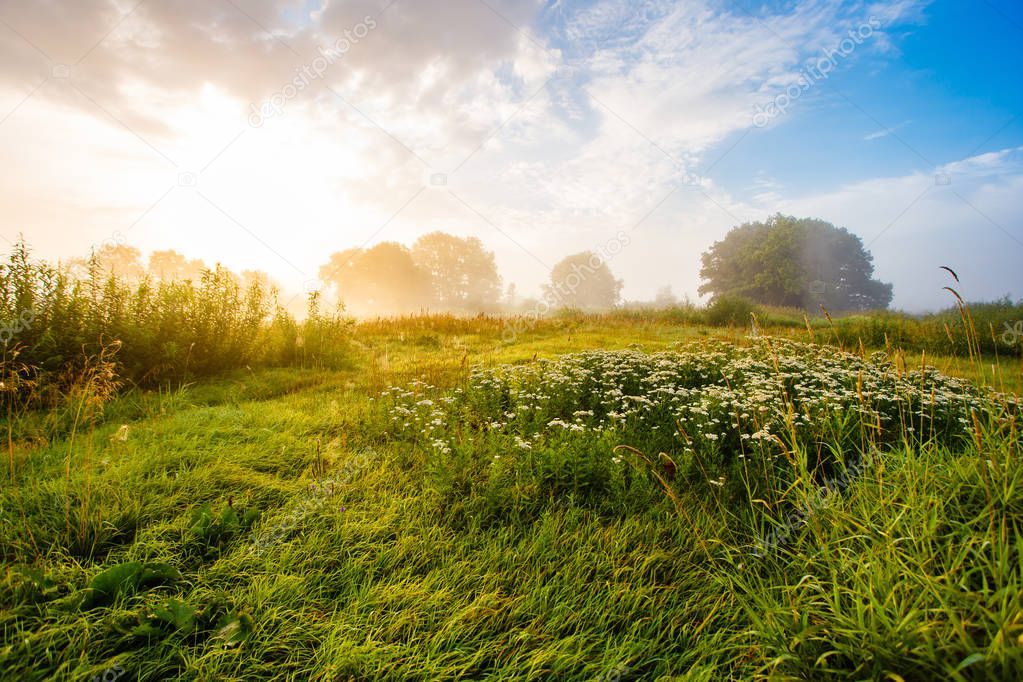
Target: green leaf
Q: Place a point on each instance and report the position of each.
(177, 613)
(159, 574)
(234, 629)
(126, 579)
(147, 630)
(202, 519)
(108, 584)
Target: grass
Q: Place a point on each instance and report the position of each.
(274, 525)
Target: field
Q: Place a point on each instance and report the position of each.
(620, 497)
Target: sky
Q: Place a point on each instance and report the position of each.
(268, 134)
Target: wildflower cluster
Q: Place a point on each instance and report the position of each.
(722, 402)
(416, 416)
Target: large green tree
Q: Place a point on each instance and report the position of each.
(795, 262)
(463, 274)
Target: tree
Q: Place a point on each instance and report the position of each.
(463, 275)
(250, 278)
(665, 298)
(120, 260)
(511, 297)
(170, 265)
(582, 281)
(379, 281)
(794, 262)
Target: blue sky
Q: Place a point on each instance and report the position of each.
(559, 126)
(943, 86)
(951, 87)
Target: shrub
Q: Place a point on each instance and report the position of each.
(729, 311)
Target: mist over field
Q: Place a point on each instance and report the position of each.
(511, 340)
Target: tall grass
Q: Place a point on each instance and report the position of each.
(945, 332)
(57, 325)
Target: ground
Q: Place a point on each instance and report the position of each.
(270, 524)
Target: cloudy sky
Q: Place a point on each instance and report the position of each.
(266, 134)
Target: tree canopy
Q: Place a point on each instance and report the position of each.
(794, 262)
(463, 275)
(381, 280)
(171, 265)
(583, 281)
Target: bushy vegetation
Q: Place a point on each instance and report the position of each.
(989, 326)
(992, 328)
(149, 331)
(729, 311)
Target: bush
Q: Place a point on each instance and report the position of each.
(992, 327)
(729, 311)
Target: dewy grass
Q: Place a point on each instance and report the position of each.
(480, 524)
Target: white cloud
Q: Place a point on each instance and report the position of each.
(885, 132)
(557, 161)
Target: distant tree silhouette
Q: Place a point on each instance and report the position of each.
(248, 278)
(170, 265)
(665, 298)
(463, 275)
(794, 262)
(583, 281)
(111, 259)
(378, 281)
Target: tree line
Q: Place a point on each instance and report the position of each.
(783, 261)
(457, 274)
(439, 272)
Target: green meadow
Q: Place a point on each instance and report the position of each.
(629, 496)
